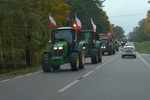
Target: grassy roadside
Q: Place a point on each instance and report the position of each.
(143, 47)
(16, 72)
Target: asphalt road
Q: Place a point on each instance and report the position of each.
(113, 79)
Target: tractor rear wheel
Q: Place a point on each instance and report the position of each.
(74, 61)
(56, 67)
(45, 62)
(94, 56)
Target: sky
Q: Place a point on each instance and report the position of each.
(126, 13)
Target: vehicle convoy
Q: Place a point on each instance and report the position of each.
(108, 43)
(65, 47)
(92, 45)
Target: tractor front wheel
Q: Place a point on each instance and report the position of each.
(45, 62)
(81, 60)
(100, 56)
(94, 56)
(74, 61)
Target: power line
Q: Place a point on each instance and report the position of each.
(127, 15)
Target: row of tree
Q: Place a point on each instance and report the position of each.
(24, 26)
(141, 33)
(24, 29)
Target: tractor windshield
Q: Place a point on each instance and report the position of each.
(63, 35)
(86, 36)
(104, 41)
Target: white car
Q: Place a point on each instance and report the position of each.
(128, 51)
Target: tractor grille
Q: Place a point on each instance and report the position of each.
(58, 52)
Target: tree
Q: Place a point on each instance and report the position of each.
(139, 34)
(119, 32)
(86, 9)
(23, 24)
(147, 24)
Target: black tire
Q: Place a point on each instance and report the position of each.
(74, 61)
(102, 53)
(135, 56)
(117, 49)
(81, 60)
(110, 51)
(56, 67)
(45, 62)
(114, 51)
(94, 56)
(100, 56)
(122, 56)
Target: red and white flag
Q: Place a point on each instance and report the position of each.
(78, 22)
(93, 26)
(52, 22)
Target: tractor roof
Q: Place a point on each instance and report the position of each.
(86, 30)
(63, 28)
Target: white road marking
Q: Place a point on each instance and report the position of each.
(143, 60)
(18, 77)
(88, 73)
(5, 80)
(38, 72)
(63, 89)
(98, 67)
(29, 74)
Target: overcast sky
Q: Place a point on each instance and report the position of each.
(126, 13)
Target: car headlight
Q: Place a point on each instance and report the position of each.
(60, 48)
(104, 47)
(55, 48)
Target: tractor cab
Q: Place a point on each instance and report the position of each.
(105, 42)
(88, 36)
(62, 36)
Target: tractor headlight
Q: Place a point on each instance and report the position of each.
(60, 48)
(55, 48)
(103, 47)
(84, 48)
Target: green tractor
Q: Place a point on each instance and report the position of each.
(108, 43)
(65, 47)
(92, 45)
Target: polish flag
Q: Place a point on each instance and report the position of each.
(93, 26)
(109, 36)
(52, 22)
(78, 22)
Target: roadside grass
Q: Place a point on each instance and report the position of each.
(143, 47)
(15, 72)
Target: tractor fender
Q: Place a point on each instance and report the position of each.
(46, 52)
(98, 45)
(51, 51)
(81, 47)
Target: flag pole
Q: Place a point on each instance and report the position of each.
(50, 29)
